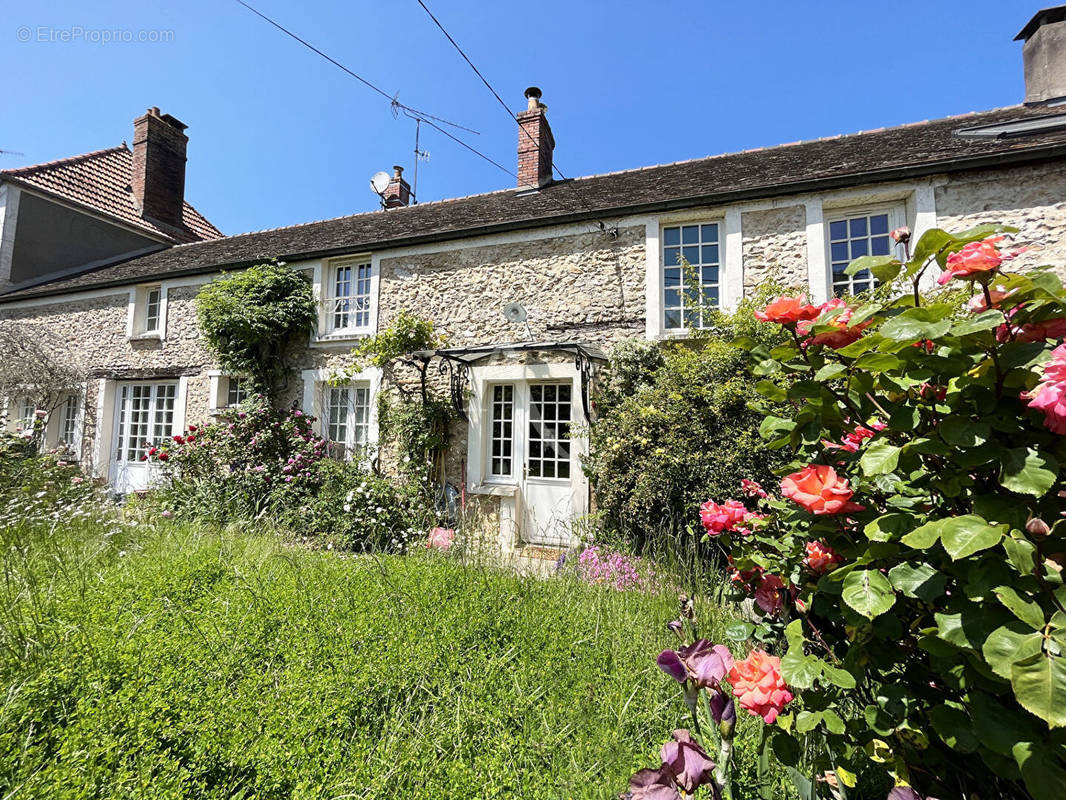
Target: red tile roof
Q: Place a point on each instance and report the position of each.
(100, 181)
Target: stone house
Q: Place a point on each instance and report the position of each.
(593, 261)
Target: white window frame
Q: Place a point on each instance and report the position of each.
(137, 320)
(506, 478)
(325, 282)
(218, 390)
(719, 223)
(897, 217)
(316, 394)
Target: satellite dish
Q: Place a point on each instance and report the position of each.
(380, 182)
(514, 312)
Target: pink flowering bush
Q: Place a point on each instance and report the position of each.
(604, 566)
(249, 461)
(907, 571)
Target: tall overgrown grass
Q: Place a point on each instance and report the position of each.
(179, 660)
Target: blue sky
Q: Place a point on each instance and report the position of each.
(279, 136)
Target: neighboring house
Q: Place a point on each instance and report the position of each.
(594, 261)
(72, 215)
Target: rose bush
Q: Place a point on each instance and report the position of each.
(917, 543)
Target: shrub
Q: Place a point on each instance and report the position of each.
(361, 510)
(913, 564)
(252, 461)
(41, 487)
(249, 318)
(673, 427)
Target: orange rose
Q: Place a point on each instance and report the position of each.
(837, 315)
(787, 311)
(758, 685)
(975, 260)
(819, 489)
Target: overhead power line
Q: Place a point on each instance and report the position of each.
(507, 108)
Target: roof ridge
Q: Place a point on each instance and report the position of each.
(17, 171)
(799, 142)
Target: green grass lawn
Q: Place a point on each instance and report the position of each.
(178, 661)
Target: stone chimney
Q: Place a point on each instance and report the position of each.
(535, 143)
(158, 183)
(1044, 54)
(399, 192)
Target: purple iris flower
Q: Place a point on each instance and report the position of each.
(704, 663)
(685, 767)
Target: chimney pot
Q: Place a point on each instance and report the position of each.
(398, 193)
(536, 144)
(159, 154)
(1044, 55)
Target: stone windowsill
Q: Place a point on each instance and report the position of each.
(495, 489)
(154, 336)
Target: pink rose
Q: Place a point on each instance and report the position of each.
(836, 314)
(1049, 396)
(758, 685)
(752, 488)
(769, 595)
(976, 261)
(819, 490)
(729, 516)
(820, 557)
(979, 302)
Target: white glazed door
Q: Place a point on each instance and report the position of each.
(144, 413)
(548, 511)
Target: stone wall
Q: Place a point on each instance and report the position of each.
(775, 247)
(584, 287)
(1030, 198)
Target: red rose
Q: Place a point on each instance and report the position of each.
(787, 311)
(163, 456)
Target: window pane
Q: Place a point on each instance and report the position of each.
(710, 254)
(857, 226)
(672, 277)
(710, 233)
(878, 224)
(710, 275)
(838, 230)
(672, 298)
(690, 234)
(671, 256)
(879, 246)
(839, 251)
(691, 254)
(671, 236)
(858, 248)
(672, 318)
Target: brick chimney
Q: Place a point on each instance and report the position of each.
(535, 143)
(159, 144)
(1044, 54)
(399, 192)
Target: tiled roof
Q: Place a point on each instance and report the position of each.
(101, 181)
(924, 148)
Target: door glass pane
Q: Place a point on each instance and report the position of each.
(548, 431)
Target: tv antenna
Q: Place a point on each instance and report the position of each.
(516, 312)
(11, 153)
(420, 154)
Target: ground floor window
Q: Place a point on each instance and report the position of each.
(346, 419)
(68, 421)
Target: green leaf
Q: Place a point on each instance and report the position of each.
(1009, 643)
(771, 391)
(928, 244)
(963, 432)
(984, 321)
(968, 534)
(917, 579)
(838, 677)
(773, 425)
(807, 721)
(786, 748)
(739, 631)
(878, 362)
(888, 527)
(794, 634)
(954, 727)
(924, 536)
(1028, 471)
(1040, 686)
(1042, 770)
(871, 262)
(879, 458)
(799, 670)
(833, 722)
(868, 592)
(927, 322)
(1028, 611)
(1021, 552)
(830, 371)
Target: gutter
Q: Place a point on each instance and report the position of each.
(1042, 153)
